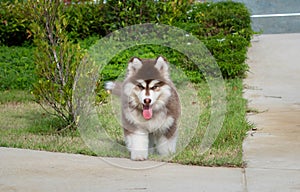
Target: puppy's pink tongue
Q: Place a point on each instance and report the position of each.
(147, 112)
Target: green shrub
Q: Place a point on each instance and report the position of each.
(85, 20)
(56, 58)
(118, 64)
(16, 68)
(210, 19)
(230, 52)
(224, 27)
(14, 27)
(17, 65)
(119, 14)
(88, 42)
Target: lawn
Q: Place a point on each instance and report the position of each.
(24, 124)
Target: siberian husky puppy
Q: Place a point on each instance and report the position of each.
(150, 107)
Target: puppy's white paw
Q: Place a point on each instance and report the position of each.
(139, 155)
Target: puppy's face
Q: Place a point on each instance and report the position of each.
(147, 87)
(148, 94)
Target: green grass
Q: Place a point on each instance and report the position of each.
(227, 148)
(15, 96)
(24, 124)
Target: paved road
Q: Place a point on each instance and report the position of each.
(272, 152)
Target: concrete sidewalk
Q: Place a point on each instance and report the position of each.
(26, 170)
(272, 153)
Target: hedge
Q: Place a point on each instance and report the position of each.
(16, 68)
(224, 27)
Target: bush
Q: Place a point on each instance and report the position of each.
(16, 68)
(85, 20)
(230, 52)
(210, 19)
(224, 27)
(14, 27)
(119, 14)
(118, 64)
(56, 58)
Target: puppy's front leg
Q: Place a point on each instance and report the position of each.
(137, 143)
(166, 146)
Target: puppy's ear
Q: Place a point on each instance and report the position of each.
(133, 66)
(162, 66)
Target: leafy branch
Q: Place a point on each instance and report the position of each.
(56, 58)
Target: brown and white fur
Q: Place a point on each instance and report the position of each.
(150, 107)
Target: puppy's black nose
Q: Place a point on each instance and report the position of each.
(147, 101)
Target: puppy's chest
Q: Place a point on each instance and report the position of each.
(160, 122)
